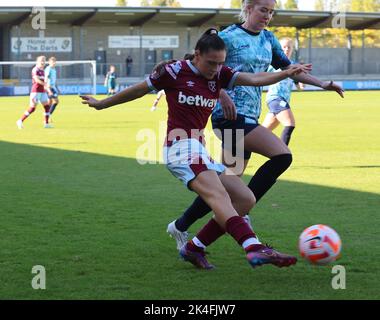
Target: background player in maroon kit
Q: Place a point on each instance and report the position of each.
(192, 90)
(38, 93)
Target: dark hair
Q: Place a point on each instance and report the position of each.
(188, 56)
(160, 67)
(210, 41)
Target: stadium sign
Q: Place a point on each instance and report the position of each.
(46, 44)
(149, 42)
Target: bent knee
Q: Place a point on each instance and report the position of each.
(284, 159)
(247, 202)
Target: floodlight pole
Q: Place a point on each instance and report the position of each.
(363, 52)
(310, 45)
(349, 47)
(297, 45)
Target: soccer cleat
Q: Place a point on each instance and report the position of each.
(198, 259)
(180, 237)
(267, 255)
(19, 124)
(48, 126)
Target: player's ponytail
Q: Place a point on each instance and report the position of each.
(159, 67)
(188, 56)
(210, 41)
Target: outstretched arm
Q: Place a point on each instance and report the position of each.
(268, 78)
(129, 94)
(311, 80)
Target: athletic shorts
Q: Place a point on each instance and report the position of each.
(238, 128)
(54, 92)
(38, 97)
(278, 105)
(111, 85)
(187, 158)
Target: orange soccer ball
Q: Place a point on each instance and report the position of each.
(320, 244)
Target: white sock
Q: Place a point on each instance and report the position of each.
(250, 242)
(198, 243)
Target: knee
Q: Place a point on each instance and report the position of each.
(283, 161)
(247, 202)
(286, 160)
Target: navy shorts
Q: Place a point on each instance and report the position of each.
(112, 85)
(54, 93)
(278, 105)
(243, 123)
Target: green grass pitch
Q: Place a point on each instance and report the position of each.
(75, 200)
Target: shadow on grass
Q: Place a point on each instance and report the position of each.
(97, 223)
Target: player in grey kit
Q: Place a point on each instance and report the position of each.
(278, 99)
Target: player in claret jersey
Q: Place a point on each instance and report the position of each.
(192, 90)
(38, 93)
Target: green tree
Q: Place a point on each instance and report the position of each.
(145, 3)
(121, 3)
(236, 4)
(291, 5)
(319, 5)
(279, 4)
(365, 6)
(166, 3)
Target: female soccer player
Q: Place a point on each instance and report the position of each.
(37, 93)
(250, 48)
(110, 81)
(278, 99)
(51, 84)
(192, 90)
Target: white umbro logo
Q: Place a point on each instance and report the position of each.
(190, 83)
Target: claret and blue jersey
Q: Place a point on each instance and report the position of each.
(253, 53)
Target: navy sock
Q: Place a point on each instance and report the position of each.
(197, 210)
(287, 134)
(52, 108)
(266, 176)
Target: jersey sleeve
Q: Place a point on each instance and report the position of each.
(279, 59)
(34, 72)
(47, 75)
(164, 77)
(227, 77)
